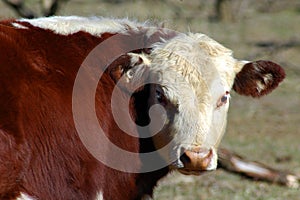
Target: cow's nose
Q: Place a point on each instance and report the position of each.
(199, 159)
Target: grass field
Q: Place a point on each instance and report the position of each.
(266, 129)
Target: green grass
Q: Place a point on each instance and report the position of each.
(262, 130)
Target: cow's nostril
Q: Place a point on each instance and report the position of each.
(184, 158)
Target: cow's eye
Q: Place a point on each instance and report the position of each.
(160, 97)
(223, 99)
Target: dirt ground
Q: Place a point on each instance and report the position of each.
(265, 129)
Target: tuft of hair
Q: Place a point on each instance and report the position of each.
(258, 78)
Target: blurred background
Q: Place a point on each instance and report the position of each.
(265, 129)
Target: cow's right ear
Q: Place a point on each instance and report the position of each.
(130, 71)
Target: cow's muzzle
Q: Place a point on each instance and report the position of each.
(197, 160)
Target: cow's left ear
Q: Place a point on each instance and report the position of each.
(258, 78)
(130, 71)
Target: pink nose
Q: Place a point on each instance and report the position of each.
(198, 159)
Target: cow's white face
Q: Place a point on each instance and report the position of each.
(193, 77)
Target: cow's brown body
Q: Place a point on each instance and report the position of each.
(40, 152)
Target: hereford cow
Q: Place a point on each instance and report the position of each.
(160, 101)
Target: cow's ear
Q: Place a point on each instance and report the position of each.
(130, 71)
(258, 78)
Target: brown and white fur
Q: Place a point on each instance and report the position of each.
(41, 154)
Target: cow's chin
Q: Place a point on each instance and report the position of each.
(191, 172)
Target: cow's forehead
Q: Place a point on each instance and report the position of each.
(200, 61)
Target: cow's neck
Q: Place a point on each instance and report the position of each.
(146, 181)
